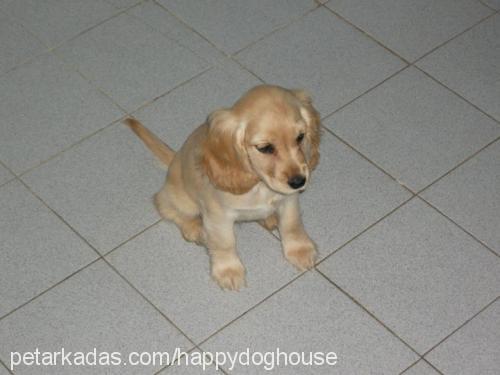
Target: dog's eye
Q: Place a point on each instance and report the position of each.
(267, 149)
(300, 138)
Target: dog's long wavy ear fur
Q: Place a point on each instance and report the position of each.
(313, 133)
(224, 157)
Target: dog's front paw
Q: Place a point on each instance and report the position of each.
(301, 254)
(270, 222)
(229, 274)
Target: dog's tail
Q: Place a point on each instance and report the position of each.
(159, 149)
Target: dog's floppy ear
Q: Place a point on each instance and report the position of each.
(313, 132)
(224, 157)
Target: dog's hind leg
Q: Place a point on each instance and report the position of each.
(176, 206)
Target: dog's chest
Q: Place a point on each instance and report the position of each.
(257, 204)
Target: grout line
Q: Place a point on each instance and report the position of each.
(207, 358)
(59, 217)
(197, 345)
(399, 71)
(132, 237)
(459, 327)
(369, 160)
(190, 28)
(121, 276)
(434, 367)
(24, 62)
(184, 45)
(295, 20)
(271, 232)
(203, 341)
(118, 13)
(421, 359)
(192, 50)
(49, 48)
(249, 309)
(363, 231)
(275, 235)
(457, 94)
(279, 28)
(422, 356)
(409, 64)
(458, 225)
(90, 81)
(379, 167)
(169, 365)
(368, 311)
(426, 53)
(236, 61)
(8, 170)
(322, 260)
(124, 114)
(367, 34)
(75, 68)
(178, 41)
(9, 180)
(81, 140)
(120, 120)
(453, 38)
(49, 288)
(393, 75)
(149, 302)
(197, 348)
(458, 165)
(151, 101)
(411, 366)
(99, 257)
(44, 46)
(364, 92)
(487, 6)
(4, 365)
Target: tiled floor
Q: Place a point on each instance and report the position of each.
(405, 206)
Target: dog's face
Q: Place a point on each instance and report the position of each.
(275, 145)
(271, 134)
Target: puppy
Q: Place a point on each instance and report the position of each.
(245, 163)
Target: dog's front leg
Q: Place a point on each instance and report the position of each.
(226, 267)
(298, 248)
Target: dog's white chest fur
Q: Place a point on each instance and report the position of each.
(257, 204)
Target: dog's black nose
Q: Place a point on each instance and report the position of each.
(297, 181)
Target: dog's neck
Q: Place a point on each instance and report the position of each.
(257, 204)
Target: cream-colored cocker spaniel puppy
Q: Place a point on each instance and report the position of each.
(245, 163)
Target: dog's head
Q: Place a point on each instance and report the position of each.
(271, 134)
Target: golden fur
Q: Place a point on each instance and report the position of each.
(245, 163)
